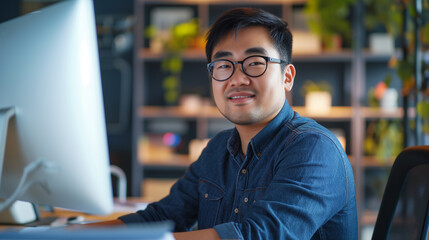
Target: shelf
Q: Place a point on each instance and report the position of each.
(336, 113)
(178, 112)
(176, 160)
(376, 57)
(326, 56)
(345, 55)
(225, 2)
(190, 54)
(371, 161)
(376, 113)
(199, 55)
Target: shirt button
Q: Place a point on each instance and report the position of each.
(236, 210)
(246, 199)
(258, 154)
(243, 171)
(206, 195)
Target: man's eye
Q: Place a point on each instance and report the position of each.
(223, 66)
(256, 63)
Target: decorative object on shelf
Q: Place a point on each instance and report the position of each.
(383, 18)
(191, 103)
(151, 149)
(381, 43)
(384, 139)
(180, 37)
(384, 96)
(383, 13)
(330, 20)
(304, 41)
(318, 97)
(161, 20)
(389, 101)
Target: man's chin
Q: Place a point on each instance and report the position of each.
(242, 119)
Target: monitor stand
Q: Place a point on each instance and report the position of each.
(5, 115)
(11, 210)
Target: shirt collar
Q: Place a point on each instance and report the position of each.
(259, 142)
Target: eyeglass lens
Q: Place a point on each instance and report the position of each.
(253, 66)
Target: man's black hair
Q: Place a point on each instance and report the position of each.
(238, 18)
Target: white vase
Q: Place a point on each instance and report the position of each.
(318, 103)
(381, 43)
(389, 101)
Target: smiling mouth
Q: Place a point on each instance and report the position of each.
(241, 97)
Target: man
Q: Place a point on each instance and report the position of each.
(276, 175)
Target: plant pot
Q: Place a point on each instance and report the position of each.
(381, 43)
(318, 103)
(389, 101)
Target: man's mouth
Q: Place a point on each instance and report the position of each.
(241, 98)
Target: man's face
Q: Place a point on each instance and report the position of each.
(245, 100)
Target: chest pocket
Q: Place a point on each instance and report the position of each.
(210, 197)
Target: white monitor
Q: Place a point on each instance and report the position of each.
(51, 110)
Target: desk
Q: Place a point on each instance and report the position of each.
(120, 208)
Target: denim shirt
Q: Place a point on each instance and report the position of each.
(295, 182)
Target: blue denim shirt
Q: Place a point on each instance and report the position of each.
(295, 182)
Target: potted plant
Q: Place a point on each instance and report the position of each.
(330, 21)
(384, 138)
(384, 19)
(318, 97)
(180, 37)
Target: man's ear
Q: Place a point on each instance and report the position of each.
(289, 77)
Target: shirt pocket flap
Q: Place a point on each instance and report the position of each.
(210, 191)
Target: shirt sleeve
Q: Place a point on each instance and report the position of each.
(180, 206)
(310, 185)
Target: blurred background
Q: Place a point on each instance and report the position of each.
(362, 72)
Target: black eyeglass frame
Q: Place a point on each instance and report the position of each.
(267, 59)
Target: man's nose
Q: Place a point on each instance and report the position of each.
(239, 78)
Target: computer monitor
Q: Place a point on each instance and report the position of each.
(51, 110)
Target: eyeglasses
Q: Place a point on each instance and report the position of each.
(252, 66)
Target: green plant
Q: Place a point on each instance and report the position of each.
(390, 15)
(384, 139)
(329, 18)
(423, 111)
(310, 86)
(405, 66)
(178, 38)
(386, 13)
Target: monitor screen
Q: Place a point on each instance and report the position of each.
(50, 82)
